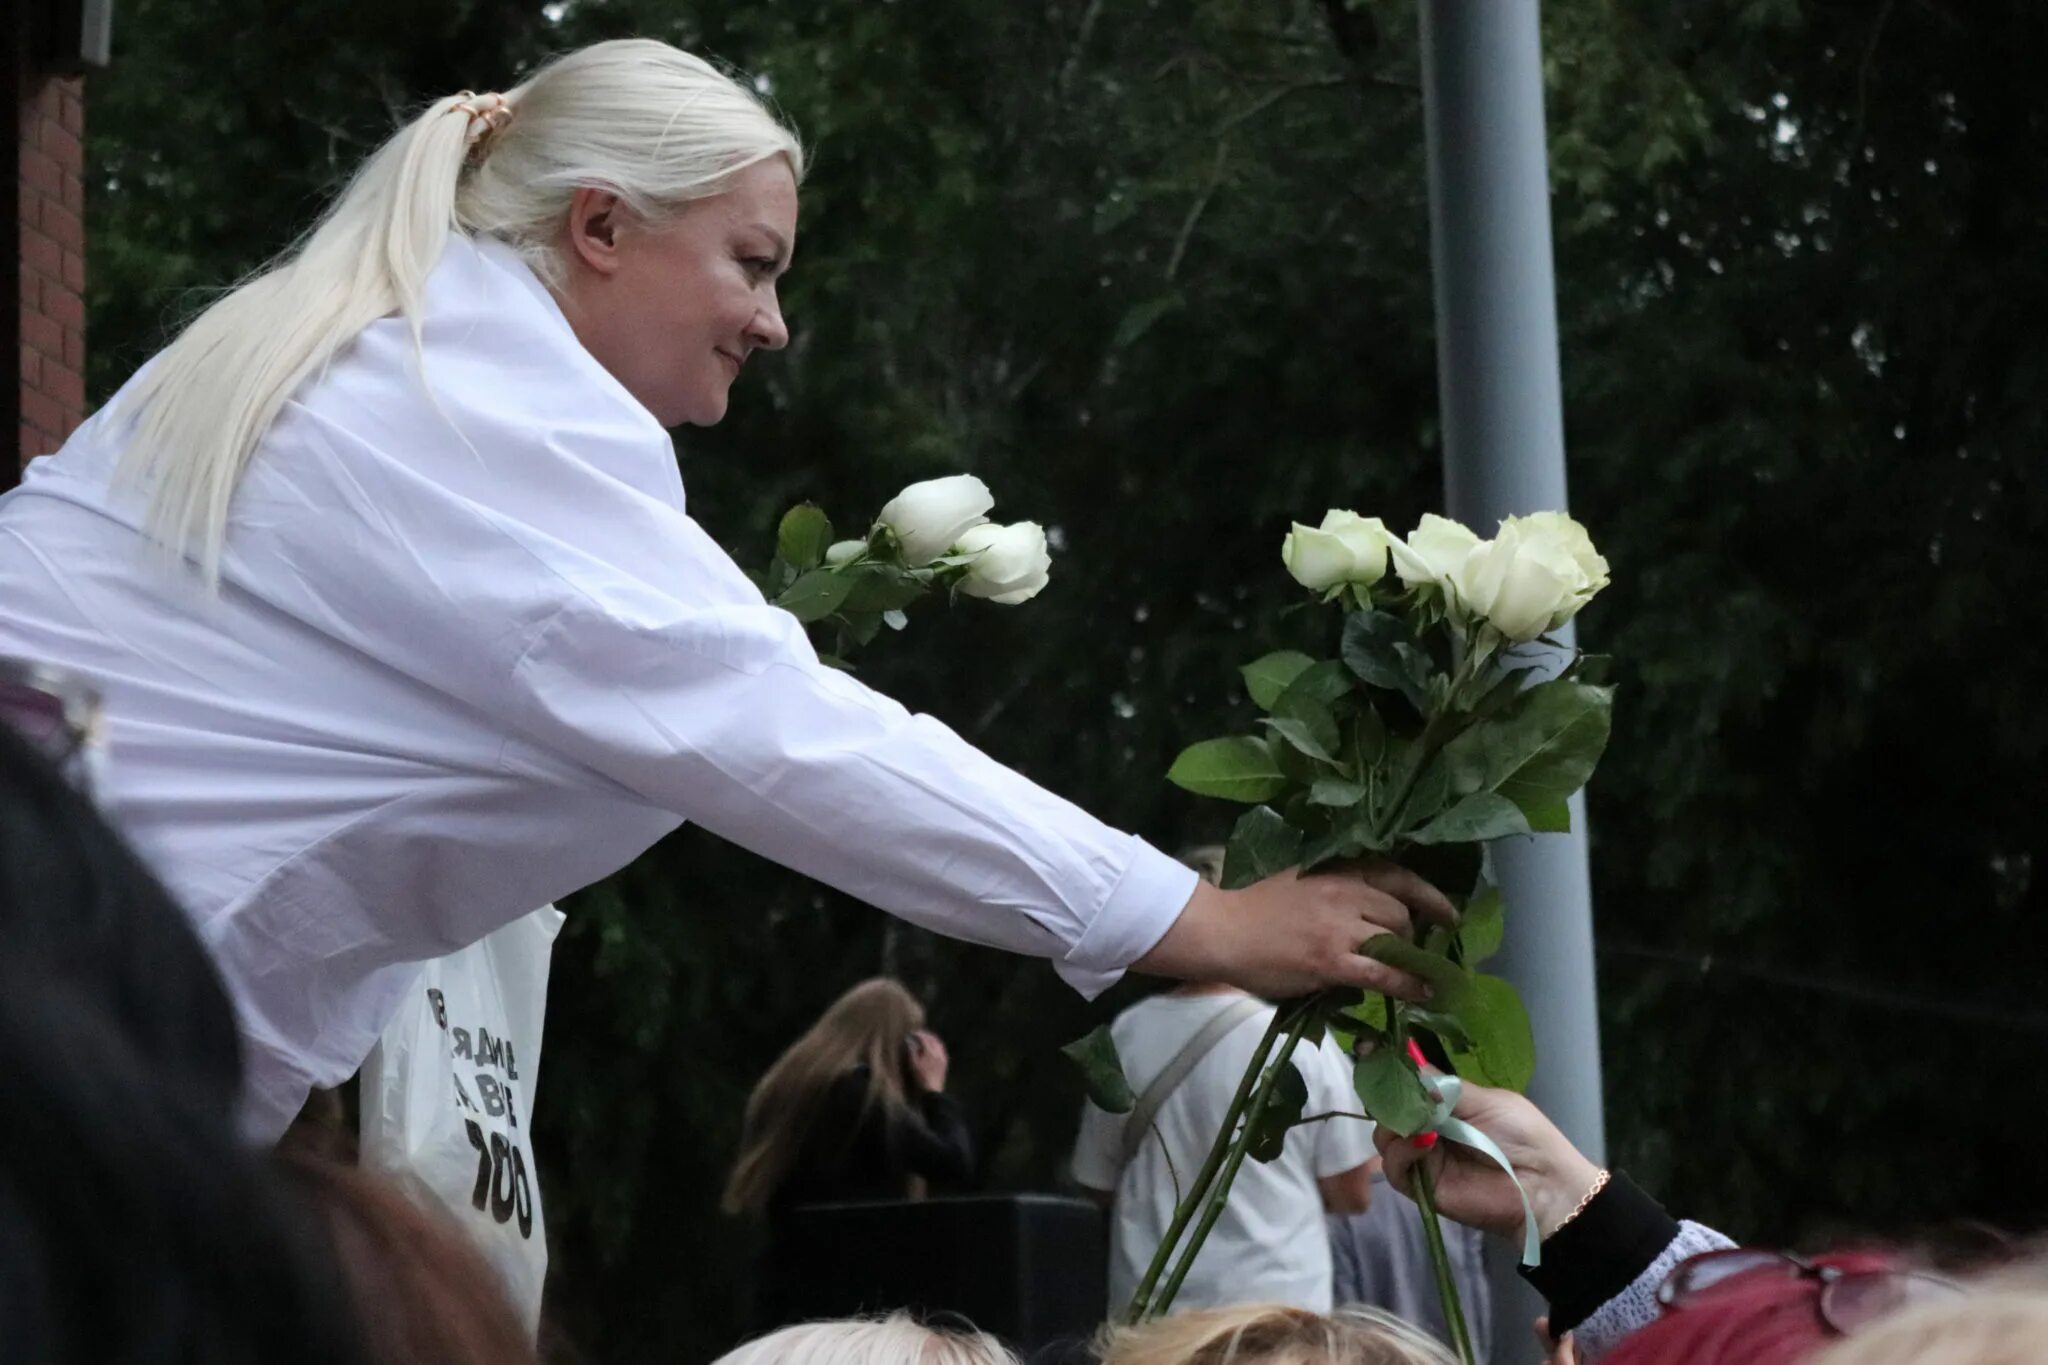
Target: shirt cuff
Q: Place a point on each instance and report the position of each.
(1147, 900)
(1636, 1306)
(1599, 1253)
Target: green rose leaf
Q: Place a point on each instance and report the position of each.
(1335, 791)
(861, 626)
(1504, 692)
(1265, 679)
(815, 595)
(1391, 1090)
(1446, 978)
(1306, 724)
(883, 588)
(1479, 817)
(803, 536)
(1365, 742)
(1502, 1050)
(1324, 682)
(1430, 794)
(1284, 1106)
(1239, 768)
(1102, 1071)
(1481, 926)
(1345, 841)
(1261, 844)
(1538, 751)
(1448, 1027)
(1377, 648)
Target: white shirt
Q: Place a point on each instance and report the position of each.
(470, 654)
(1269, 1245)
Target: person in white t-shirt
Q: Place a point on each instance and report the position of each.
(1269, 1245)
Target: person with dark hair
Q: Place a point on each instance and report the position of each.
(135, 1224)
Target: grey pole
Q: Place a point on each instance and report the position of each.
(1503, 434)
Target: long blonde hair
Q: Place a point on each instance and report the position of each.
(868, 1026)
(655, 126)
(1271, 1334)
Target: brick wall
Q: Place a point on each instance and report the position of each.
(51, 211)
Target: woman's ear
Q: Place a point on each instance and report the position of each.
(593, 228)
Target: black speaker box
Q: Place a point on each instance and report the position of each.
(1031, 1269)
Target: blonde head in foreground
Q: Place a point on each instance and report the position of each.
(1269, 1334)
(895, 1340)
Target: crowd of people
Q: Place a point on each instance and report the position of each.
(383, 573)
(121, 1166)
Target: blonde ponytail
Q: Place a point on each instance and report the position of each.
(654, 125)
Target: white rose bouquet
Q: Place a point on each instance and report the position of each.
(1427, 735)
(932, 536)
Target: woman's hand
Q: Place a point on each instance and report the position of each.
(1472, 1189)
(928, 1060)
(1291, 934)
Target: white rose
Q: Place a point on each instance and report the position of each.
(930, 517)
(1010, 563)
(1434, 549)
(1346, 548)
(1518, 583)
(844, 552)
(1559, 530)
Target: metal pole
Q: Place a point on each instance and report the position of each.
(1503, 432)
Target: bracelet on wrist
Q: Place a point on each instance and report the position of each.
(1592, 1191)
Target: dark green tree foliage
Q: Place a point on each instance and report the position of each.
(1158, 272)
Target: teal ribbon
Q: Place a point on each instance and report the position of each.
(1447, 1089)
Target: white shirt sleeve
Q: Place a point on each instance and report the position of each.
(544, 572)
(1341, 1144)
(723, 714)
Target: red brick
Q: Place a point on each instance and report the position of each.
(40, 172)
(74, 271)
(31, 290)
(63, 306)
(60, 142)
(73, 99)
(41, 331)
(74, 193)
(65, 385)
(42, 254)
(38, 409)
(62, 225)
(74, 348)
(31, 443)
(31, 369)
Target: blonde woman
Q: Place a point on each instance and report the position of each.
(428, 637)
(1271, 1334)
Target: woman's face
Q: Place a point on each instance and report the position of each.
(674, 311)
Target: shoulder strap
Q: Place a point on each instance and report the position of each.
(1138, 1123)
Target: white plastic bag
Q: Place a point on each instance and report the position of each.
(447, 1097)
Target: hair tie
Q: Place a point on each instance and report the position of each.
(492, 110)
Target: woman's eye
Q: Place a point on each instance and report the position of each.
(761, 265)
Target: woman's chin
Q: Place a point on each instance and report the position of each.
(706, 410)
